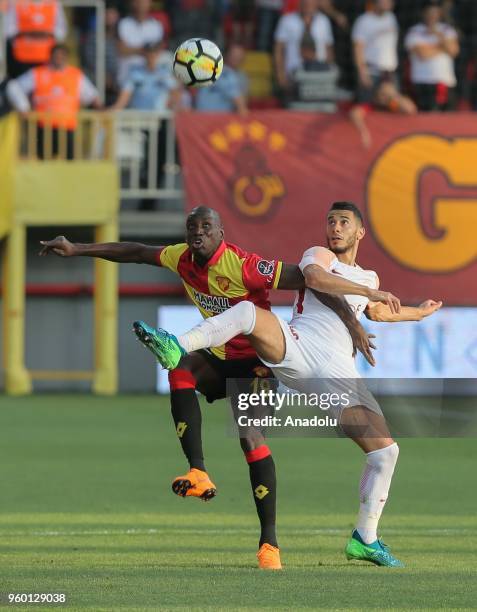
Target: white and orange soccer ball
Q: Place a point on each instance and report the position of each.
(198, 62)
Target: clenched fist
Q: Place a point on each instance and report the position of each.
(60, 246)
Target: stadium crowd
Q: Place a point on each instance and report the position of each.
(426, 49)
(394, 55)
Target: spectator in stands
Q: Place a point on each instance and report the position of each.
(32, 28)
(57, 91)
(152, 87)
(88, 53)
(268, 14)
(229, 94)
(308, 23)
(135, 32)
(433, 45)
(375, 39)
(385, 97)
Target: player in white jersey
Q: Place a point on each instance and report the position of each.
(330, 355)
(316, 346)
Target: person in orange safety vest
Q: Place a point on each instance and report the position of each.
(57, 91)
(32, 29)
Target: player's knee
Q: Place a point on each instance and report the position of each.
(251, 441)
(392, 453)
(384, 458)
(245, 311)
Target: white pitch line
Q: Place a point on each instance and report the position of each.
(283, 532)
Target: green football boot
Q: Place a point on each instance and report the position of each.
(163, 345)
(377, 552)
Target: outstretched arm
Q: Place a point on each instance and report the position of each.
(317, 278)
(121, 252)
(376, 311)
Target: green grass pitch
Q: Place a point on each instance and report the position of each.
(86, 509)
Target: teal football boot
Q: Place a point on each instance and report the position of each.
(163, 345)
(377, 552)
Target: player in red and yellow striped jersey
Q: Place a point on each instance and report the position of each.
(216, 275)
(228, 277)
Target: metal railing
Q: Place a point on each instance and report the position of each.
(146, 154)
(92, 140)
(142, 143)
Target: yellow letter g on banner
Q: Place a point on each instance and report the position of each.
(393, 202)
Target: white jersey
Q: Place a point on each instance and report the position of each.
(318, 348)
(312, 316)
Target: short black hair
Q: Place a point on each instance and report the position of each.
(348, 206)
(206, 211)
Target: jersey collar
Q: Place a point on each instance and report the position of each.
(217, 255)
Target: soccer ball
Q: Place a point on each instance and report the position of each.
(198, 62)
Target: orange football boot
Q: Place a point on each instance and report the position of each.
(269, 557)
(195, 483)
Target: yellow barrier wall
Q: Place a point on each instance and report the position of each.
(62, 194)
(8, 139)
(66, 193)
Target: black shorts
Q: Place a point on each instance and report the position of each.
(429, 97)
(250, 369)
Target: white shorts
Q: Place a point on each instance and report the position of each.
(312, 366)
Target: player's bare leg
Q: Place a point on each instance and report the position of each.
(261, 327)
(370, 432)
(368, 429)
(267, 336)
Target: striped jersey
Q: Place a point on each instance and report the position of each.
(230, 276)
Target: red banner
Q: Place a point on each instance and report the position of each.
(273, 175)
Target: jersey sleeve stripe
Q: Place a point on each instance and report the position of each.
(278, 273)
(158, 257)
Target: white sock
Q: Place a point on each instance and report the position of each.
(215, 331)
(374, 488)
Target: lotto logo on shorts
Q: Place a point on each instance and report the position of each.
(180, 429)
